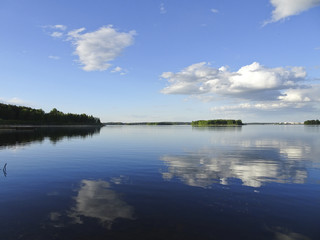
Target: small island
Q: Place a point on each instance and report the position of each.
(216, 122)
(20, 115)
(312, 122)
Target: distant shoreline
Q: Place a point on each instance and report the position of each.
(34, 126)
(145, 123)
(189, 123)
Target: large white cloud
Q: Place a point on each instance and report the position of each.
(96, 49)
(310, 94)
(287, 8)
(306, 98)
(253, 81)
(250, 89)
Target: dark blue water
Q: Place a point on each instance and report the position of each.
(160, 182)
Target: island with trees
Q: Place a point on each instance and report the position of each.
(216, 122)
(312, 122)
(20, 115)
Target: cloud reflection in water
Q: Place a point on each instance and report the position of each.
(253, 162)
(96, 200)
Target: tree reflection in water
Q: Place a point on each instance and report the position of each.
(11, 138)
(4, 170)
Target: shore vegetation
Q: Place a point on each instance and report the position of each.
(12, 114)
(216, 122)
(312, 122)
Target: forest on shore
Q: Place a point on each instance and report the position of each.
(216, 122)
(12, 114)
(312, 122)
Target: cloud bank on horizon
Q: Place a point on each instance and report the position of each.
(258, 87)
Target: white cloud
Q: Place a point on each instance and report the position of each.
(55, 31)
(213, 10)
(75, 33)
(294, 95)
(309, 94)
(264, 106)
(14, 101)
(56, 34)
(96, 49)
(298, 98)
(286, 8)
(117, 69)
(252, 81)
(305, 99)
(54, 57)
(57, 27)
(251, 89)
(162, 9)
(60, 27)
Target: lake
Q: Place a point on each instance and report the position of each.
(161, 182)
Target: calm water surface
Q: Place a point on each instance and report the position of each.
(161, 182)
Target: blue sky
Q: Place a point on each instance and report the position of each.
(150, 60)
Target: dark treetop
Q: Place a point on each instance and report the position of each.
(216, 122)
(12, 114)
(312, 122)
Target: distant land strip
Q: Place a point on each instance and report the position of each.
(312, 122)
(148, 123)
(216, 122)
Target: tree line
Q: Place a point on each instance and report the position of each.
(312, 122)
(216, 122)
(12, 114)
